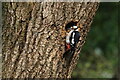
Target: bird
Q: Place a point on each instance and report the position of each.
(72, 38)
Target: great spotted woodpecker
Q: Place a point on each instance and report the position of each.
(72, 38)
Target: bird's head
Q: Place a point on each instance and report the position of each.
(74, 27)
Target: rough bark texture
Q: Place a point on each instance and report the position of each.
(32, 42)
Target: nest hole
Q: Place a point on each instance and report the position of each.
(69, 24)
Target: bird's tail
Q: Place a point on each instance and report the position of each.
(68, 55)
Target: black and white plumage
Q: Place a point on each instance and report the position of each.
(72, 38)
(68, 37)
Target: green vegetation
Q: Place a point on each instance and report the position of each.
(99, 55)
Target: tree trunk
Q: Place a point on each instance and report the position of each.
(32, 42)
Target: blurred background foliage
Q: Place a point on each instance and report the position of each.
(99, 55)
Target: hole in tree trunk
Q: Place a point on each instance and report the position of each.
(70, 24)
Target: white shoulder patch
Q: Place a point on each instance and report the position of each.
(73, 38)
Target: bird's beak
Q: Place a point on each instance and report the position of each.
(68, 30)
(79, 29)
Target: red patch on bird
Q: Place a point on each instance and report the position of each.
(67, 47)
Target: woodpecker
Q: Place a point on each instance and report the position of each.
(72, 38)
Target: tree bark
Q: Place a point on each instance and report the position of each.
(32, 42)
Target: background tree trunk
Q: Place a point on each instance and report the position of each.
(32, 42)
